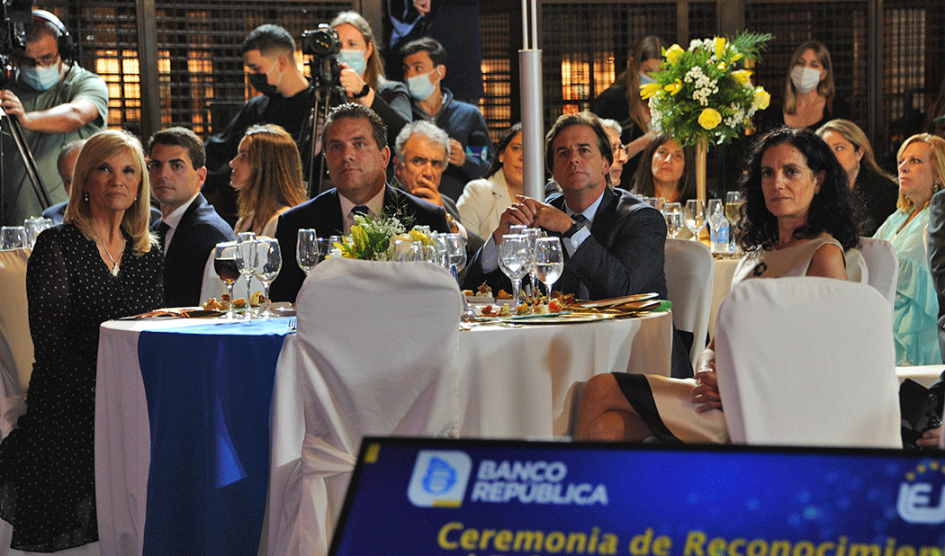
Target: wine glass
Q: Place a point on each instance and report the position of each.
(532, 234)
(267, 262)
(456, 252)
(226, 257)
(308, 250)
(674, 218)
(733, 205)
(246, 243)
(695, 217)
(12, 237)
(333, 249)
(514, 261)
(34, 225)
(549, 261)
(406, 250)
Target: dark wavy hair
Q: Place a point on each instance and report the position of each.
(830, 211)
(643, 177)
(500, 148)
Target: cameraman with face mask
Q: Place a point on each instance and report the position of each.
(55, 101)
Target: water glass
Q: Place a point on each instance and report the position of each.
(548, 261)
(456, 252)
(227, 260)
(247, 246)
(695, 217)
(267, 263)
(674, 218)
(308, 249)
(34, 225)
(514, 261)
(532, 234)
(12, 237)
(333, 243)
(407, 251)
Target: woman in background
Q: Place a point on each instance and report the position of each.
(874, 192)
(484, 200)
(102, 264)
(810, 96)
(622, 102)
(666, 170)
(921, 171)
(267, 172)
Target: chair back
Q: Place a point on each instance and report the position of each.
(690, 271)
(883, 265)
(808, 361)
(16, 344)
(377, 355)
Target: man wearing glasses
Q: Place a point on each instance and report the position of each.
(56, 101)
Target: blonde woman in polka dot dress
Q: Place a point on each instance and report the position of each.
(100, 264)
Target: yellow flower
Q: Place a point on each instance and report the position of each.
(719, 47)
(742, 76)
(673, 87)
(762, 99)
(709, 118)
(359, 237)
(673, 54)
(417, 235)
(721, 66)
(649, 90)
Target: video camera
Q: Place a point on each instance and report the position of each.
(13, 14)
(323, 45)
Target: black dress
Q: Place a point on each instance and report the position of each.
(877, 196)
(47, 475)
(773, 116)
(613, 104)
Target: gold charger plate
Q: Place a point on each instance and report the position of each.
(615, 301)
(559, 318)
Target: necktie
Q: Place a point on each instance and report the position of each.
(570, 283)
(162, 233)
(360, 209)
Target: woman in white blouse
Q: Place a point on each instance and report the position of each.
(484, 200)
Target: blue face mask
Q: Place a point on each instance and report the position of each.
(420, 87)
(42, 78)
(646, 79)
(354, 59)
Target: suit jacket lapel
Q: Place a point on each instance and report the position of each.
(333, 216)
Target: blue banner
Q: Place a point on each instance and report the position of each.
(474, 498)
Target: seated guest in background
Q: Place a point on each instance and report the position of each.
(622, 102)
(613, 242)
(100, 265)
(613, 130)
(355, 145)
(810, 96)
(189, 227)
(921, 171)
(874, 192)
(470, 143)
(666, 170)
(483, 200)
(65, 164)
(422, 154)
(267, 172)
(363, 74)
(798, 221)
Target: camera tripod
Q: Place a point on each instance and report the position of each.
(16, 131)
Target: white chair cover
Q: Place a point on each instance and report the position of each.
(212, 286)
(883, 265)
(808, 361)
(376, 354)
(16, 344)
(690, 272)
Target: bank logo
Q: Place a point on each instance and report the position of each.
(922, 495)
(439, 479)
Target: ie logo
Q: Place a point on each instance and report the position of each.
(922, 495)
(439, 479)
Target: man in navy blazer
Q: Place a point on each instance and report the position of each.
(189, 227)
(355, 145)
(613, 242)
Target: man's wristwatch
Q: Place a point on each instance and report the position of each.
(363, 93)
(575, 228)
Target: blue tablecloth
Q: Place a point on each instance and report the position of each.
(209, 390)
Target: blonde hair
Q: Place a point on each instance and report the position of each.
(852, 133)
(374, 72)
(825, 88)
(649, 47)
(135, 222)
(275, 178)
(937, 158)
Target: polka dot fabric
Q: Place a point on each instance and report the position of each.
(47, 476)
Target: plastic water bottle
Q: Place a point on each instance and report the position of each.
(720, 237)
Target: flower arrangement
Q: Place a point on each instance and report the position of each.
(374, 239)
(703, 94)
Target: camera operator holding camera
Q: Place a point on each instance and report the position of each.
(55, 103)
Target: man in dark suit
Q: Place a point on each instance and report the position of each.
(355, 145)
(613, 242)
(189, 227)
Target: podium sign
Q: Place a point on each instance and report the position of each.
(462, 497)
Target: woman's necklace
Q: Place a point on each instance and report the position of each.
(114, 262)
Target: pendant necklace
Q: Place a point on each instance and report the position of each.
(114, 262)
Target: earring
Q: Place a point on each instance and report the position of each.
(85, 196)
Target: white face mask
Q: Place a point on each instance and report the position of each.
(354, 59)
(420, 86)
(40, 78)
(805, 79)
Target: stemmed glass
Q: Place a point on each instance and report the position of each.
(12, 237)
(267, 262)
(532, 234)
(247, 246)
(695, 217)
(549, 261)
(34, 225)
(406, 251)
(514, 261)
(308, 250)
(456, 253)
(674, 218)
(733, 210)
(226, 262)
